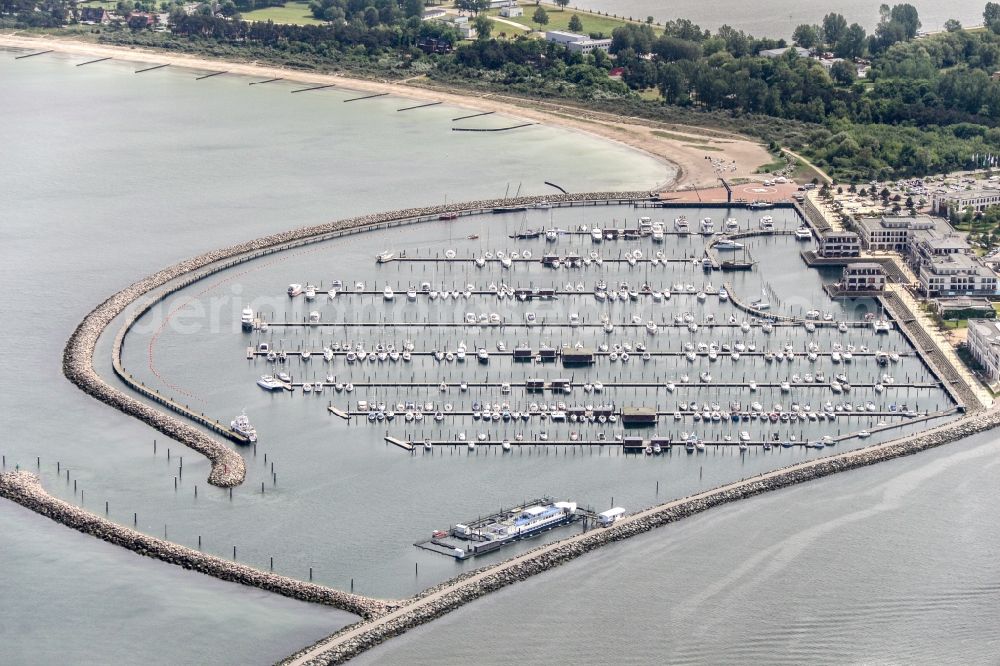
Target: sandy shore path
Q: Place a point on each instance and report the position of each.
(690, 152)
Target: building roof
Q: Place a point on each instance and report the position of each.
(864, 265)
(910, 222)
(971, 194)
(963, 262)
(842, 234)
(777, 53)
(964, 303)
(987, 329)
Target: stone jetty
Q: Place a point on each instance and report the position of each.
(25, 489)
(446, 597)
(228, 467)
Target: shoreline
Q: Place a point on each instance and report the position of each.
(686, 154)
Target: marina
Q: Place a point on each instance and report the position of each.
(586, 362)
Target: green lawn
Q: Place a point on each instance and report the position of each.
(107, 4)
(293, 13)
(559, 20)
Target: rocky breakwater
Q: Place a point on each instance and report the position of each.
(228, 467)
(446, 597)
(25, 489)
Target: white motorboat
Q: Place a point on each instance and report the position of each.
(241, 425)
(294, 289)
(728, 244)
(270, 383)
(803, 234)
(706, 226)
(681, 225)
(384, 257)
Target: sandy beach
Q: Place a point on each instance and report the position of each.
(695, 156)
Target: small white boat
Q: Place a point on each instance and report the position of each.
(294, 289)
(803, 234)
(384, 257)
(241, 425)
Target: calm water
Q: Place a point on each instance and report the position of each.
(108, 175)
(894, 564)
(70, 597)
(778, 18)
(337, 481)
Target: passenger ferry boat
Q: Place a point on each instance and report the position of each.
(500, 529)
(241, 425)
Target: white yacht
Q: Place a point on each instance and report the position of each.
(246, 318)
(310, 292)
(707, 227)
(728, 244)
(384, 257)
(294, 289)
(596, 235)
(388, 295)
(681, 225)
(767, 223)
(657, 232)
(803, 233)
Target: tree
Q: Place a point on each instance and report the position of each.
(575, 24)
(413, 8)
(541, 17)
(484, 26)
(834, 26)
(562, 4)
(807, 36)
(952, 25)
(991, 14)
(852, 43)
(906, 15)
(843, 72)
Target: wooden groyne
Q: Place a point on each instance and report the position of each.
(473, 115)
(446, 597)
(258, 83)
(150, 69)
(32, 55)
(210, 75)
(228, 467)
(490, 129)
(91, 62)
(419, 106)
(25, 489)
(320, 87)
(358, 99)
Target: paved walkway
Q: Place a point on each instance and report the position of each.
(832, 218)
(940, 339)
